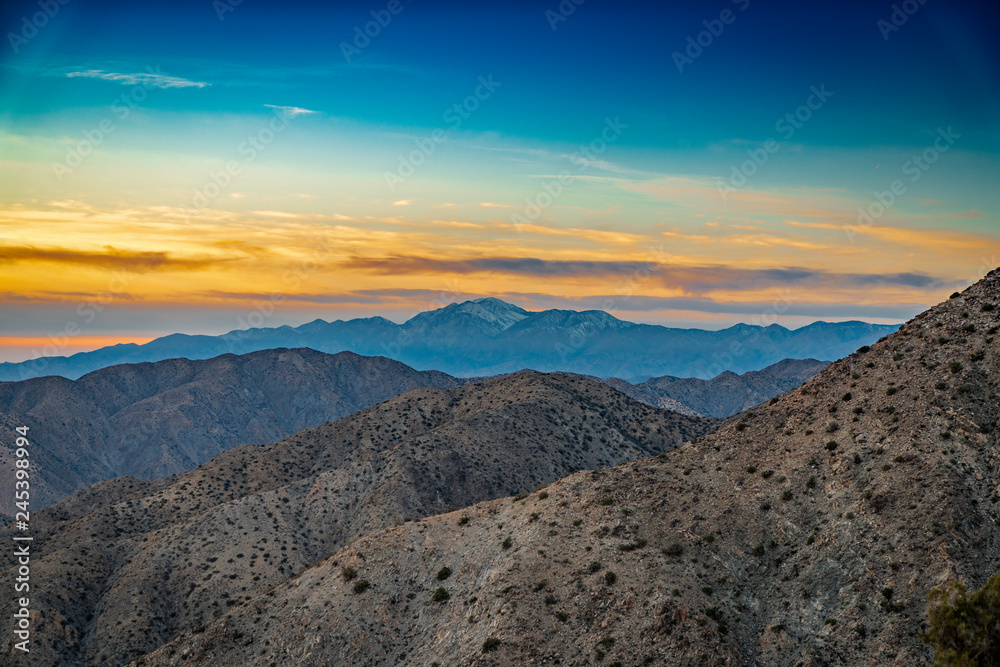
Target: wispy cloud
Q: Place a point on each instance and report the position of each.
(149, 78)
(690, 280)
(112, 258)
(290, 112)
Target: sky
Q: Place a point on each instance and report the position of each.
(177, 167)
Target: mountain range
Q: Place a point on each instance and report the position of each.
(151, 420)
(724, 395)
(126, 564)
(489, 337)
(809, 532)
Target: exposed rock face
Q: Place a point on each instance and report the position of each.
(125, 565)
(808, 533)
(151, 420)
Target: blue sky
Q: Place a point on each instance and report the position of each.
(208, 84)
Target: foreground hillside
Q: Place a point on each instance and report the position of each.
(125, 565)
(808, 533)
(153, 420)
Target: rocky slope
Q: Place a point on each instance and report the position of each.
(151, 420)
(808, 533)
(126, 564)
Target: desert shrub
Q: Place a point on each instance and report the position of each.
(349, 573)
(595, 566)
(811, 483)
(965, 629)
(638, 543)
(443, 573)
(864, 348)
(740, 426)
(506, 544)
(751, 469)
(610, 578)
(787, 495)
(848, 396)
(464, 520)
(988, 307)
(891, 390)
(440, 595)
(606, 500)
(362, 586)
(832, 445)
(956, 367)
(491, 645)
(675, 549)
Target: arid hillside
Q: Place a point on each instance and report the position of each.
(151, 420)
(808, 533)
(125, 565)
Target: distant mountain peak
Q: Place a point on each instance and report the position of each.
(496, 314)
(494, 310)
